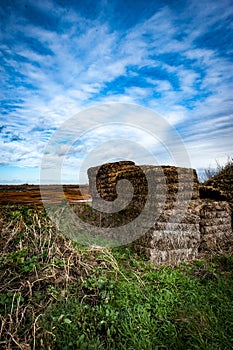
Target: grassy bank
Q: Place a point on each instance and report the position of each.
(55, 294)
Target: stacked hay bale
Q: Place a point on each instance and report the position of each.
(103, 181)
(222, 182)
(177, 223)
(170, 191)
(118, 204)
(217, 212)
(175, 235)
(215, 226)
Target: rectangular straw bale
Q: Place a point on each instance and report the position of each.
(215, 229)
(215, 213)
(170, 240)
(176, 216)
(210, 205)
(173, 226)
(209, 243)
(215, 221)
(172, 257)
(223, 214)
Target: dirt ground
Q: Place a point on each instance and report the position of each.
(50, 193)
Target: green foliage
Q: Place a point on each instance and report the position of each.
(56, 294)
(146, 308)
(9, 301)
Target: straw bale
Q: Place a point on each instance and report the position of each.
(172, 257)
(168, 240)
(213, 242)
(212, 193)
(103, 181)
(106, 187)
(223, 214)
(179, 216)
(182, 221)
(173, 226)
(187, 206)
(215, 221)
(223, 181)
(215, 229)
(214, 214)
(209, 205)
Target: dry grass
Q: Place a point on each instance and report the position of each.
(55, 295)
(35, 261)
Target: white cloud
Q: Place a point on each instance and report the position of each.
(77, 68)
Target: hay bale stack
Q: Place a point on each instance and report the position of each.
(175, 236)
(220, 186)
(103, 179)
(182, 224)
(103, 187)
(153, 184)
(165, 182)
(223, 181)
(215, 226)
(212, 193)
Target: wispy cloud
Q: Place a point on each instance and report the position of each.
(57, 60)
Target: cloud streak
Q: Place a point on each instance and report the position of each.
(57, 60)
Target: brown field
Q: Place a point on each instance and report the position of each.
(51, 193)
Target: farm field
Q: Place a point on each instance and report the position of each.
(51, 193)
(116, 175)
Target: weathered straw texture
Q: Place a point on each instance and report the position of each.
(183, 223)
(220, 187)
(171, 257)
(175, 236)
(170, 182)
(223, 181)
(215, 226)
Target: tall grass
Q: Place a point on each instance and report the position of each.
(55, 294)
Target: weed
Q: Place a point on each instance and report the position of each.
(56, 294)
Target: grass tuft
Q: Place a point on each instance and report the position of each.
(57, 294)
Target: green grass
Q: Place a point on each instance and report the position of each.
(137, 306)
(56, 294)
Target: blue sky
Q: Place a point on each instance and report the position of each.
(60, 57)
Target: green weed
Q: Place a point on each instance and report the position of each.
(56, 294)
